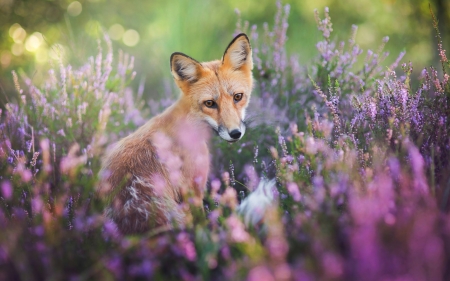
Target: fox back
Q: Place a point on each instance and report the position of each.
(147, 176)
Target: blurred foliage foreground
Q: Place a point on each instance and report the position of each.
(361, 161)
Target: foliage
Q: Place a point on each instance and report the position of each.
(361, 161)
(32, 32)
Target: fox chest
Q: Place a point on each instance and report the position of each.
(195, 168)
(185, 166)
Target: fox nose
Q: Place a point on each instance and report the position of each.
(235, 134)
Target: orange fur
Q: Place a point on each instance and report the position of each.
(146, 176)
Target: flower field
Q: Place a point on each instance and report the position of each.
(359, 149)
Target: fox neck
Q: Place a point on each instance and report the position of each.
(179, 121)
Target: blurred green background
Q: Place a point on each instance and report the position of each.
(35, 35)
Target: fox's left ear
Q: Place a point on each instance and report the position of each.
(238, 55)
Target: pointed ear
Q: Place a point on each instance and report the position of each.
(238, 55)
(185, 68)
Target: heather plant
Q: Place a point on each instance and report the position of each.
(69, 119)
(51, 143)
(285, 87)
(358, 152)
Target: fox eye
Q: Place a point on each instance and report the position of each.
(210, 104)
(238, 97)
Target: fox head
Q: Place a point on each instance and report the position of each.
(217, 92)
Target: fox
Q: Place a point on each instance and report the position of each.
(146, 176)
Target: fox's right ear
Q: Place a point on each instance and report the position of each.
(185, 68)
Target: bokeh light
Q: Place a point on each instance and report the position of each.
(5, 58)
(17, 49)
(116, 31)
(58, 52)
(13, 28)
(93, 28)
(41, 55)
(75, 8)
(17, 33)
(33, 42)
(130, 37)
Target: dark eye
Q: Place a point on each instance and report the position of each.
(238, 97)
(210, 104)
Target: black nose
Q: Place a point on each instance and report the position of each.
(235, 134)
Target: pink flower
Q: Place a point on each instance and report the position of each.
(294, 191)
(7, 190)
(260, 273)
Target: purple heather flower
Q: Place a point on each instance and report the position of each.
(260, 273)
(7, 189)
(187, 246)
(294, 191)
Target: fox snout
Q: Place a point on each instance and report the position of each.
(235, 134)
(232, 135)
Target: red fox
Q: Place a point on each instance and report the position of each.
(146, 175)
